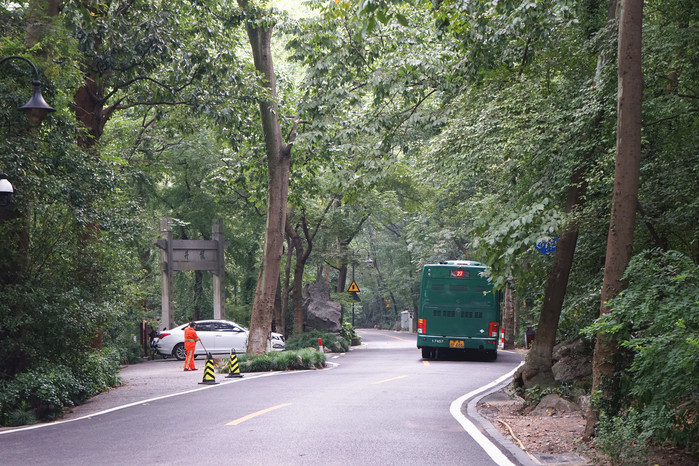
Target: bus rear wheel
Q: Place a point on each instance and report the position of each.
(491, 355)
(427, 352)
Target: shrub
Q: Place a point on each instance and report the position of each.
(331, 341)
(347, 332)
(23, 415)
(127, 351)
(44, 392)
(99, 372)
(656, 320)
(623, 439)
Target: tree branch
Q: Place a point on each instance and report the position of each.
(671, 117)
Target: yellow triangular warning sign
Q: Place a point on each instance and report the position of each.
(353, 288)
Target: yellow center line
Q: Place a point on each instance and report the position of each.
(389, 380)
(254, 415)
(425, 363)
(397, 338)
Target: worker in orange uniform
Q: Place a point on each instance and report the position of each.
(190, 342)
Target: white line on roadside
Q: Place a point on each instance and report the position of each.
(136, 403)
(489, 447)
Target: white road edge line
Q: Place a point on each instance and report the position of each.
(489, 447)
(136, 403)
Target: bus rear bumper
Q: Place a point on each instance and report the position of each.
(474, 343)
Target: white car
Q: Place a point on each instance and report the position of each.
(277, 342)
(217, 336)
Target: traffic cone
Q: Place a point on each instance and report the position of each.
(233, 369)
(209, 374)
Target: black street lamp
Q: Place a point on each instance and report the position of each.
(37, 108)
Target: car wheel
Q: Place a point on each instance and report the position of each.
(179, 352)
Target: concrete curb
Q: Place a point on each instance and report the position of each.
(509, 449)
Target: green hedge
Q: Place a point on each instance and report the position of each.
(43, 393)
(279, 361)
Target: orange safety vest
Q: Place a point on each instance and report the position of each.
(190, 338)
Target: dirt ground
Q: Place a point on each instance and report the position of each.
(555, 437)
(551, 438)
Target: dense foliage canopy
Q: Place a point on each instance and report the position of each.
(426, 131)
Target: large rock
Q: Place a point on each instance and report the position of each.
(321, 313)
(573, 367)
(551, 405)
(579, 346)
(573, 360)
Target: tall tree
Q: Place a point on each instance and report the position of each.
(624, 199)
(537, 369)
(260, 26)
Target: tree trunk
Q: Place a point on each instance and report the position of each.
(89, 104)
(537, 367)
(508, 321)
(286, 287)
(624, 199)
(278, 166)
(341, 278)
(302, 256)
(297, 282)
(277, 317)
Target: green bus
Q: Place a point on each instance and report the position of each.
(458, 310)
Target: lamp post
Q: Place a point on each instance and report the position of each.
(36, 110)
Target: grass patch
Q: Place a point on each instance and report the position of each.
(304, 359)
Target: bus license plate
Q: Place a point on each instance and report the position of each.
(456, 343)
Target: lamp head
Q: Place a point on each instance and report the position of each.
(37, 108)
(6, 190)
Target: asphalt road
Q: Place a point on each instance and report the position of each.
(379, 404)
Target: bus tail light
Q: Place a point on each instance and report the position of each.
(493, 329)
(422, 326)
